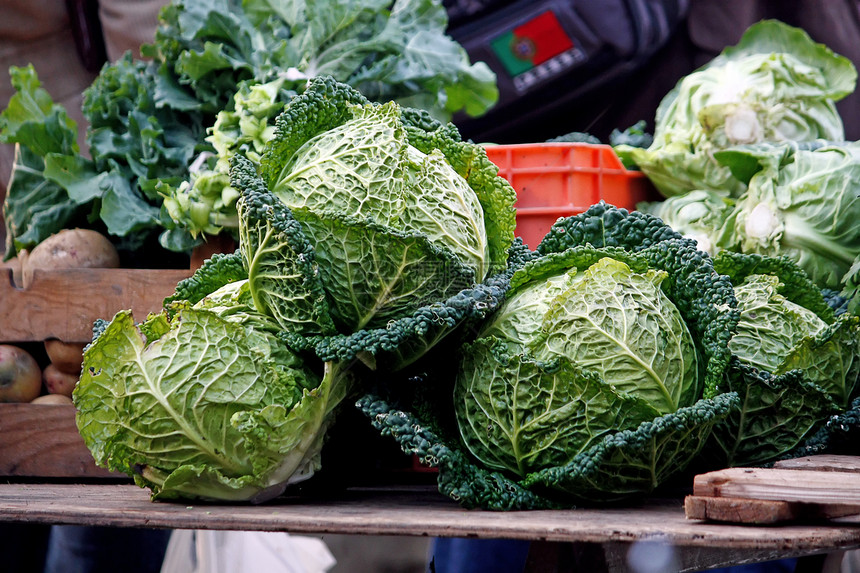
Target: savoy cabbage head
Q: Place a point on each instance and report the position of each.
(598, 378)
(794, 363)
(775, 85)
(206, 404)
(394, 210)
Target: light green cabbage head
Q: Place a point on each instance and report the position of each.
(802, 202)
(775, 85)
(777, 336)
(770, 325)
(794, 362)
(205, 404)
(610, 320)
(398, 210)
(697, 215)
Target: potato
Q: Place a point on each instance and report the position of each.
(66, 356)
(56, 399)
(59, 382)
(70, 249)
(20, 375)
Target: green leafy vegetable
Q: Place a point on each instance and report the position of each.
(801, 202)
(35, 207)
(214, 408)
(775, 85)
(698, 215)
(398, 217)
(794, 362)
(587, 384)
(148, 120)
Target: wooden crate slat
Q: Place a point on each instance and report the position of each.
(64, 304)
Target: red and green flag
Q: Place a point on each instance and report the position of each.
(530, 44)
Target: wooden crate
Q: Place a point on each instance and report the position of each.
(42, 441)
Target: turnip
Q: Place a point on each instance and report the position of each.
(20, 375)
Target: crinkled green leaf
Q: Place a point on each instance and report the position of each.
(774, 415)
(519, 415)
(636, 461)
(280, 261)
(374, 275)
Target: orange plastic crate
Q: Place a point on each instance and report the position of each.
(555, 180)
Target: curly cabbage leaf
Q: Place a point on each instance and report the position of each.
(459, 478)
(801, 202)
(621, 465)
(838, 435)
(775, 85)
(215, 272)
(545, 416)
(211, 407)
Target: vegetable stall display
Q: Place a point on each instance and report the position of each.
(373, 232)
(377, 266)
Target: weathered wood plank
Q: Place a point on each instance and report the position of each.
(43, 441)
(823, 462)
(762, 512)
(753, 511)
(64, 304)
(780, 484)
(411, 511)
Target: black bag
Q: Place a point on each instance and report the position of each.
(548, 54)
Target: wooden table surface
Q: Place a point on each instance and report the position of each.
(421, 511)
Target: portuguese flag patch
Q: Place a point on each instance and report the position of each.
(532, 43)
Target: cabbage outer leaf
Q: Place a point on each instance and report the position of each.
(635, 461)
(775, 414)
